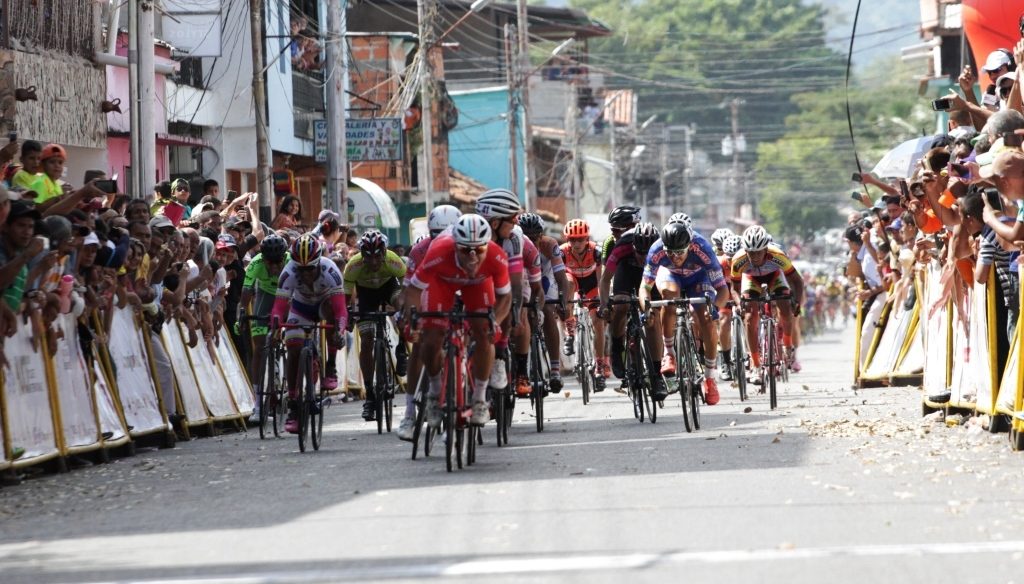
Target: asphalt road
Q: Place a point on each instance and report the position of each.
(838, 484)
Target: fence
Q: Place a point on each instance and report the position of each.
(943, 335)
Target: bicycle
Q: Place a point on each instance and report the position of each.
(585, 368)
(270, 393)
(539, 363)
(690, 370)
(773, 362)
(457, 386)
(314, 400)
(739, 350)
(385, 382)
(641, 374)
(503, 398)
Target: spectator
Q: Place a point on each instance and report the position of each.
(211, 188)
(289, 214)
(18, 247)
(30, 165)
(162, 195)
(48, 185)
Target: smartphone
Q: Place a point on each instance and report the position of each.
(108, 186)
(855, 195)
(993, 198)
(990, 100)
(960, 170)
(904, 190)
(857, 177)
(943, 104)
(232, 195)
(12, 137)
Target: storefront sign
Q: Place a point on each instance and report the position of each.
(373, 139)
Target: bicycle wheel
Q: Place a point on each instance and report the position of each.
(303, 404)
(450, 410)
(266, 390)
(315, 399)
(380, 384)
(683, 375)
(420, 402)
(739, 356)
(500, 410)
(650, 376)
(583, 361)
(538, 379)
(772, 366)
(696, 396)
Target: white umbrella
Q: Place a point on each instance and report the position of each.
(901, 160)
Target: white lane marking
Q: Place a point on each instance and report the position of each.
(591, 563)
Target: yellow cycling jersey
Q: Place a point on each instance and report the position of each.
(357, 273)
(775, 262)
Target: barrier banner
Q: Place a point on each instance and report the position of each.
(77, 410)
(27, 396)
(350, 373)
(234, 373)
(110, 420)
(913, 359)
(188, 387)
(211, 383)
(963, 385)
(982, 346)
(1006, 400)
(870, 327)
(135, 385)
(936, 335)
(891, 344)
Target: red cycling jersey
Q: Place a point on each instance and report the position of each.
(416, 255)
(581, 267)
(442, 276)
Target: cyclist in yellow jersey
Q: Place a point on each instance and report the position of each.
(761, 264)
(374, 275)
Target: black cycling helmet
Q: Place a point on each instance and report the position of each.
(531, 224)
(624, 217)
(676, 236)
(273, 248)
(644, 236)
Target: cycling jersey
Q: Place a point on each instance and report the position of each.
(513, 248)
(416, 255)
(627, 269)
(358, 273)
(550, 263)
(441, 276)
(304, 302)
(606, 248)
(776, 261)
(581, 267)
(701, 265)
(258, 277)
(531, 263)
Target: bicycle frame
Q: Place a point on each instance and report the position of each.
(639, 364)
(384, 379)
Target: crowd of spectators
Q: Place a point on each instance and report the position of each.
(175, 254)
(962, 208)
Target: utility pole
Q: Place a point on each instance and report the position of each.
(147, 79)
(523, 36)
(259, 96)
(662, 187)
(513, 110)
(613, 198)
(337, 59)
(136, 103)
(573, 132)
(426, 73)
(738, 147)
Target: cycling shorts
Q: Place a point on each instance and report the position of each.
(627, 281)
(304, 314)
(375, 299)
(775, 282)
(440, 297)
(586, 284)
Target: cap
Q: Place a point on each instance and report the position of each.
(57, 227)
(160, 222)
(1011, 77)
(180, 184)
(52, 150)
(1007, 164)
(91, 239)
(327, 214)
(225, 240)
(896, 224)
(20, 208)
(879, 204)
(200, 209)
(995, 60)
(234, 222)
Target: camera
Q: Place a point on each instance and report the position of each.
(943, 104)
(865, 224)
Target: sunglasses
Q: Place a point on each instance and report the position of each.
(468, 249)
(677, 252)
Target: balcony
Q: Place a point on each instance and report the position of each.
(307, 101)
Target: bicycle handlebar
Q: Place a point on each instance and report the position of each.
(678, 302)
(766, 299)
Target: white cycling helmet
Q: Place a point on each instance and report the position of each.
(441, 217)
(732, 244)
(472, 230)
(681, 218)
(719, 236)
(419, 239)
(755, 238)
(498, 204)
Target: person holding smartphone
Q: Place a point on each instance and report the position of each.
(1007, 173)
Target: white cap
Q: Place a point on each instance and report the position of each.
(1011, 76)
(91, 239)
(995, 60)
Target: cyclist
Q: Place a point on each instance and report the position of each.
(309, 290)
(683, 264)
(259, 289)
(500, 208)
(730, 247)
(583, 263)
(441, 219)
(554, 282)
(374, 275)
(718, 238)
(520, 335)
(466, 260)
(622, 277)
(762, 264)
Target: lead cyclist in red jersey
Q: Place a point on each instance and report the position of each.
(583, 264)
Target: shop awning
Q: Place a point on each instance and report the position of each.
(370, 206)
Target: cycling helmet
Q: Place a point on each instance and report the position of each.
(373, 242)
(625, 216)
(676, 236)
(681, 218)
(755, 238)
(442, 217)
(307, 251)
(419, 239)
(719, 236)
(732, 244)
(498, 204)
(644, 236)
(531, 223)
(576, 228)
(472, 230)
(273, 248)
